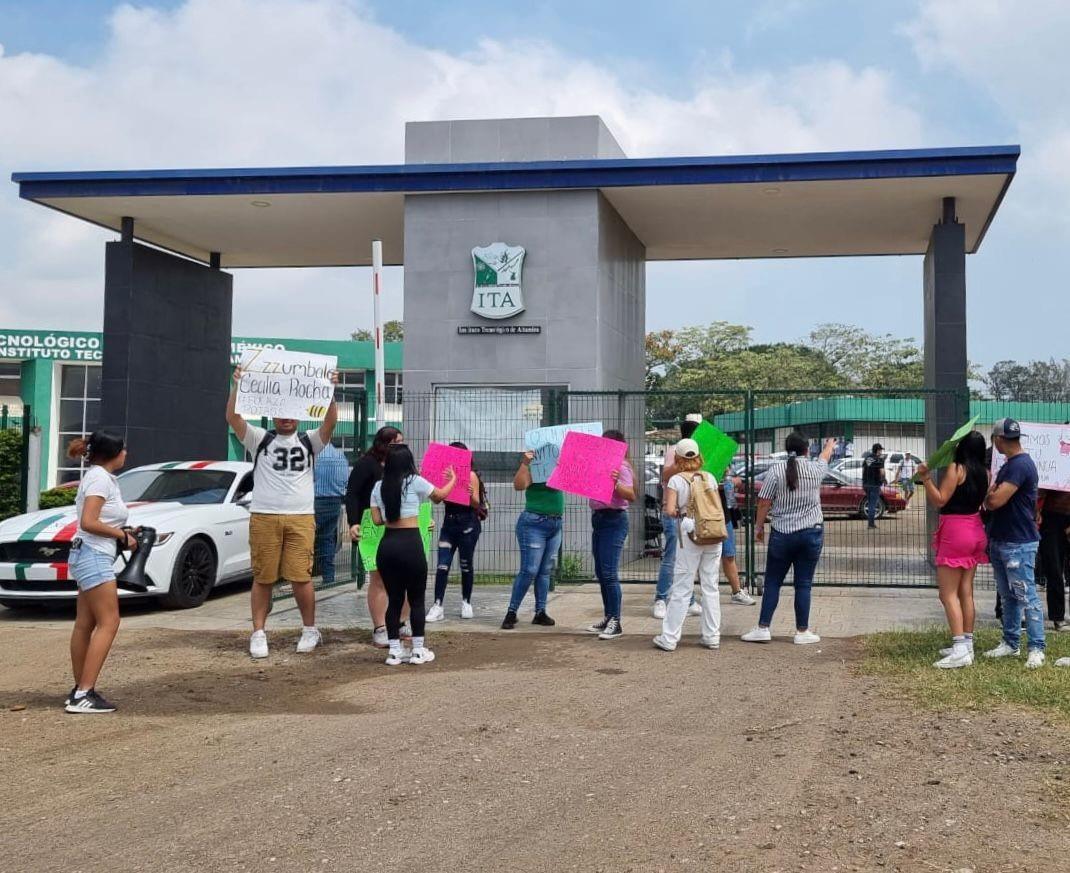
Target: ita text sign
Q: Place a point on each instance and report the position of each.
(545, 443)
(1049, 447)
(281, 384)
(496, 290)
(437, 459)
(586, 465)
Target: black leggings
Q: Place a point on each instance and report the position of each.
(403, 566)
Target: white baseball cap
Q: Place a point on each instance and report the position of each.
(693, 416)
(686, 448)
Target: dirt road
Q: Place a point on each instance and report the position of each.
(527, 753)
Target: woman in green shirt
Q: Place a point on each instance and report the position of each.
(538, 536)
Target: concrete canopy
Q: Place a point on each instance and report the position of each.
(770, 206)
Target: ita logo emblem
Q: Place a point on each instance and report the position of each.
(497, 292)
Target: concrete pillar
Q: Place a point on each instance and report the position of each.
(167, 332)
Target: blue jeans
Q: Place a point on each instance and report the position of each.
(800, 549)
(1014, 566)
(539, 538)
(668, 558)
(609, 531)
(873, 496)
(327, 511)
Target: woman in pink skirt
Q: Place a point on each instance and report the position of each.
(960, 542)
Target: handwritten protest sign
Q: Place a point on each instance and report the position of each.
(546, 442)
(371, 534)
(281, 384)
(946, 453)
(1049, 447)
(437, 459)
(717, 448)
(585, 464)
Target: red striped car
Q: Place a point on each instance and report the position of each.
(198, 508)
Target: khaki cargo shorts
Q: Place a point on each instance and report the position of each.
(281, 547)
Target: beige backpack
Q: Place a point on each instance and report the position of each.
(706, 511)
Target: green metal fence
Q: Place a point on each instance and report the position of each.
(14, 451)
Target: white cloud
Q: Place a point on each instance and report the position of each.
(281, 82)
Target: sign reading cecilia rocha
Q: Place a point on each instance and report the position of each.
(496, 292)
(282, 384)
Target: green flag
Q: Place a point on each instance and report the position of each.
(371, 534)
(946, 453)
(717, 448)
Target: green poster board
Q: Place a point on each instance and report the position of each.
(946, 453)
(371, 534)
(718, 448)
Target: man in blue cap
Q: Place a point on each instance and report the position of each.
(1012, 544)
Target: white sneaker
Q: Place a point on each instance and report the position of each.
(806, 638)
(379, 638)
(757, 635)
(1002, 651)
(395, 658)
(421, 656)
(1063, 662)
(664, 644)
(711, 642)
(436, 612)
(945, 652)
(695, 608)
(405, 631)
(258, 647)
(658, 609)
(1035, 659)
(952, 661)
(466, 610)
(743, 598)
(310, 638)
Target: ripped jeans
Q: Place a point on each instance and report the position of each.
(459, 534)
(1014, 566)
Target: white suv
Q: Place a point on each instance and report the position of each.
(851, 468)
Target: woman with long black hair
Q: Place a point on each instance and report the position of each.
(960, 541)
(396, 500)
(791, 494)
(101, 516)
(366, 472)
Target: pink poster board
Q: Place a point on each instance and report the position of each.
(586, 464)
(437, 459)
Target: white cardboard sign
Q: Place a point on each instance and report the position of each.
(1049, 447)
(281, 384)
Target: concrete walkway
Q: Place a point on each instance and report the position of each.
(835, 612)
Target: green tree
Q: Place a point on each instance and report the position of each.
(1035, 380)
(866, 360)
(10, 473)
(393, 332)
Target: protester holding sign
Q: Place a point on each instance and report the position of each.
(461, 528)
(691, 498)
(609, 524)
(960, 542)
(791, 492)
(366, 472)
(396, 500)
(282, 524)
(538, 537)
(1012, 547)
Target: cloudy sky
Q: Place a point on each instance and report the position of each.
(104, 85)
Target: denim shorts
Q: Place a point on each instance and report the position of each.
(90, 568)
(728, 547)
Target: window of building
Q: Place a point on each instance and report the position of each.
(10, 382)
(392, 387)
(79, 414)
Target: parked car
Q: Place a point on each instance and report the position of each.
(841, 496)
(851, 468)
(199, 510)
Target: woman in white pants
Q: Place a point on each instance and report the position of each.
(690, 557)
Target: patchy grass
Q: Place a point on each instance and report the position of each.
(906, 658)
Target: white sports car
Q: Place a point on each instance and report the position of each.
(199, 510)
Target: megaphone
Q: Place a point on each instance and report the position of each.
(132, 577)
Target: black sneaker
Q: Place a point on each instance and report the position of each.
(598, 626)
(543, 619)
(510, 620)
(90, 704)
(70, 695)
(612, 631)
